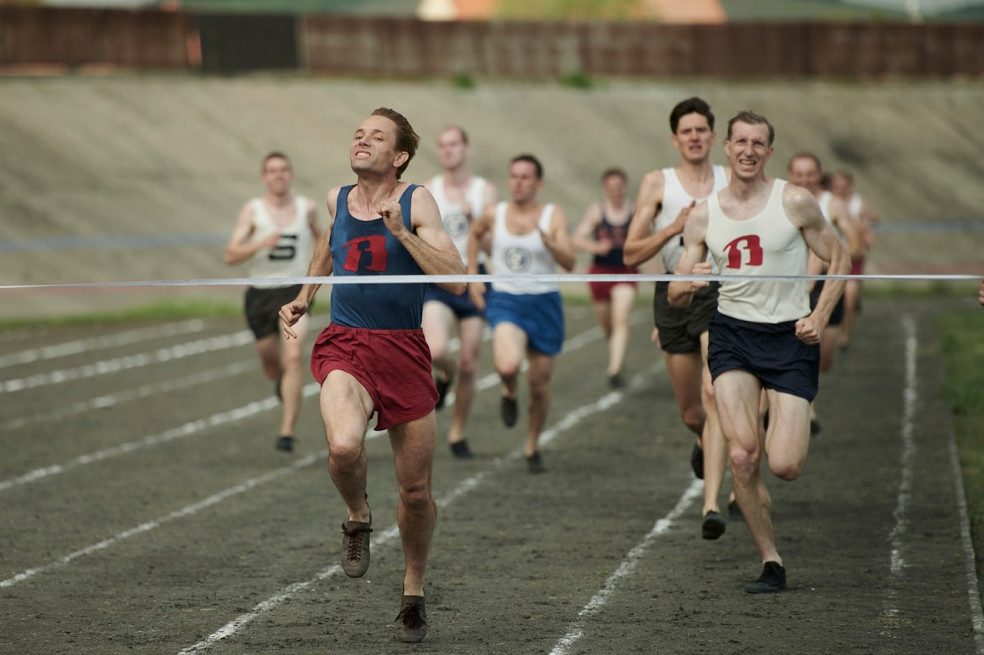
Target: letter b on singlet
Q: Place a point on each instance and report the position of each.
(746, 250)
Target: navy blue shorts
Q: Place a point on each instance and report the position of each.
(462, 305)
(769, 351)
(539, 315)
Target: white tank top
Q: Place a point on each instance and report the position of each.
(675, 198)
(524, 255)
(292, 254)
(765, 244)
(457, 218)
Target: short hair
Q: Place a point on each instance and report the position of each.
(693, 105)
(751, 118)
(406, 139)
(276, 154)
(531, 160)
(844, 174)
(616, 171)
(459, 129)
(805, 155)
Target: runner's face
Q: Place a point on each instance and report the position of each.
(452, 151)
(748, 150)
(693, 138)
(804, 172)
(374, 146)
(523, 182)
(614, 186)
(277, 176)
(841, 186)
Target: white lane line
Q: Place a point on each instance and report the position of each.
(145, 391)
(973, 592)
(80, 346)
(897, 536)
(626, 568)
(117, 364)
(392, 532)
(484, 383)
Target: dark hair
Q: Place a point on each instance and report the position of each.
(532, 160)
(276, 154)
(615, 170)
(693, 105)
(461, 131)
(805, 155)
(751, 118)
(406, 139)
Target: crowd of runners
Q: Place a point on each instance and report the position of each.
(744, 357)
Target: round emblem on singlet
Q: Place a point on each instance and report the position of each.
(517, 259)
(456, 225)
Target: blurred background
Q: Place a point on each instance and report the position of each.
(131, 132)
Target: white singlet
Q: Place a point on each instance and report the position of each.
(522, 255)
(765, 244)
(292, 254)
(675, 198)
(457, 219)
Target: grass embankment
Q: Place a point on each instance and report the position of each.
(962, 337)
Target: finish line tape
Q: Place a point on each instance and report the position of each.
(438, 279)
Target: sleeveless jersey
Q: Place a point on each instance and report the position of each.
(292, 254)
(766, 244)
(616, 234)
(367, 247)
(457, 219)
(675, 198)
(522, 255)
(854, 205)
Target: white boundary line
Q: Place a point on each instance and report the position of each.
(628, 565)
(463, 488)
(973, 586)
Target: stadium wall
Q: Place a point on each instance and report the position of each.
(32, 36)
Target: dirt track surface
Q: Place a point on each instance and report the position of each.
(170, 159)
(144, 510)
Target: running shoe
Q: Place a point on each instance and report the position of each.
(355, 547)
(697, 461)
(411, 622)
(285, 443)
(713, 526)
(534, 463)
(615, 381)
(461, 450)
(773, 579)
(442, 391)
(509, 410)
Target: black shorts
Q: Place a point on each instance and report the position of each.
(836, 316)
(769, 351)
(262, 307)
(680, 327)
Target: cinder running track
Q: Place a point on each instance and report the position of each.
(143, 509)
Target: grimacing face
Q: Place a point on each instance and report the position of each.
(694, 137)
(374, 146)
(748, 149)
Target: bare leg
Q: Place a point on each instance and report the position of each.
(437, 317)
(541, 370)
(712, 438)
(292, 377)
(623, 295)
(413, 454)
(508, 350)
(345, 410)
(470, 335)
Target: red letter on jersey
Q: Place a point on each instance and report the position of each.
(374, 244)
(742, 246)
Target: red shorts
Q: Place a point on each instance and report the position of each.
(603, 290)
(857, 266)
(394, 366)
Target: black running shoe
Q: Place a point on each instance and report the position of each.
(510, 411)
(713, 526)
(697, 461)
(355, 547)
(461, 450)
(534, 463)
(442, 392)
(773, 579)
(285, 443)
(814, 427)
(615, 381)
(411, 622)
